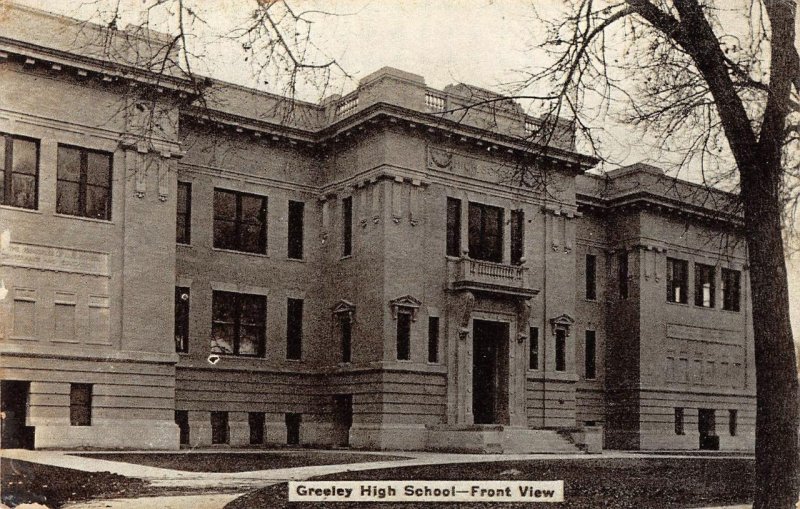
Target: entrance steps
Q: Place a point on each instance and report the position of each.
(499, 439)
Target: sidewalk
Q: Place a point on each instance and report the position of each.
(213, 483)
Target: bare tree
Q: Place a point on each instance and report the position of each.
(720, 79)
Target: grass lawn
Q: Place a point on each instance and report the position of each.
(24, 482)
(241, 461)
(591, 483)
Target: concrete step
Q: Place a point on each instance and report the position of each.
(496, 439)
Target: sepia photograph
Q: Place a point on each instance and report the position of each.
(399, 254)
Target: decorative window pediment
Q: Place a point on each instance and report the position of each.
(407, 304)
(344, 307)
(563, 321)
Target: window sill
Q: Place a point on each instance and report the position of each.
(82, 218)
(346, 257)
(21, 209)
(296, 361)
(245, 253)
(181, 244)
(686, 304)
(594, 301)
(298, 260)
(734, 311)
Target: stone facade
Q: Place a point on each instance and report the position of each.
(445, 304)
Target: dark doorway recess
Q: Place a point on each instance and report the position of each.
(490, 372)
(343, 419)
(293, 428)
(706, 425)
(14, 434)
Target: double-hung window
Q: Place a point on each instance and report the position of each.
(677, 280)
(183, 220)
(731, 289)
(485, 232)
(704, 285)
(240, 221)
(238, 324)
(84, 183)
(19, 172)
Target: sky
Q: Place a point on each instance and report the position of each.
(480, 42)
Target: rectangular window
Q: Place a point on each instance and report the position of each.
(182, 296)
(732, 417)
(731, 289)
(679, 421)
(295, 241)
(183, 223)
(255, 421)
(293, 428)
(591, 277)
(219, 428)
(80, 404)
(403, 336)
(433, 339)
(240, 221)
(83, 183)
(347, 226)
(590, 353)
(182, 420)
(19, 172)
(677, 280)
(345, 332)
(485, 232)
(517, 236)
(561, 350)
(453, 227)
(703, 285)
(533, 354)
(238, 323)
(294, 329)
(622, 275)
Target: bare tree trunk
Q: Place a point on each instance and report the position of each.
(777, 459)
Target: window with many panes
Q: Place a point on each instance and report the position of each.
(240, 221)
(433, 339)
(295, 234)
(677, 280)
(591, 277)
(703, 285)
(84, 183)
(19, 172)
(731, 281)
(238, 324)
(294, 329)
(533, 352)
(485, 232)
(182, 297)
(453, 227)
(183, 223)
